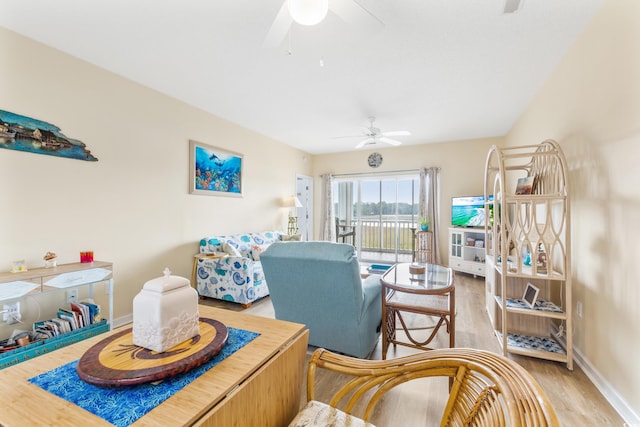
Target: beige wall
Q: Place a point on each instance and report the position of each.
(461, 163)
(591, 106)
(131, 207)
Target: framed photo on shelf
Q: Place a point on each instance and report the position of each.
(214, 171)
(525, 185)
(18, 266)
(530, 295)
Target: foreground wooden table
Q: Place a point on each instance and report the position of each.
(259, 385)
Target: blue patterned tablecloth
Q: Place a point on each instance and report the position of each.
(123, 406)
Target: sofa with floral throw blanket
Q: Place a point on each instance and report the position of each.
(237, 277)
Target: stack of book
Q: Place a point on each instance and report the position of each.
(79, 315)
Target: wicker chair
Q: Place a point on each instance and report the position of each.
(485, 389)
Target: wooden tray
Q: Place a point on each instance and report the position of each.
(116, 362)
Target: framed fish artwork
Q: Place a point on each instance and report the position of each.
(214, 171)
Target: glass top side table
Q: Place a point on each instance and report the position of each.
(422, 289)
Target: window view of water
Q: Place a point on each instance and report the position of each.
(383, 212)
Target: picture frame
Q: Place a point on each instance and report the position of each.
(530, 295)
(18, 266)
(215, 171)
(525, 185)
(31, 135)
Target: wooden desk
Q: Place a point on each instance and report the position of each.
(431, 293)
(259, 385)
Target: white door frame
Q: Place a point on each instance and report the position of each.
(304, 192)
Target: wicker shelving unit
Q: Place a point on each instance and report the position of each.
(528, 242)
(424, 247)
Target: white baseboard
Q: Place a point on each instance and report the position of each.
(626, 412)
(121, 321)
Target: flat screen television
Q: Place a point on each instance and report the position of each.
(468, 211)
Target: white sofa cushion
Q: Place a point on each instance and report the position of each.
(318, 414)
(230, 249)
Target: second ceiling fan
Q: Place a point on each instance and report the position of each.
(373, 134)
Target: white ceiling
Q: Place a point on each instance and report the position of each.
(442, 69)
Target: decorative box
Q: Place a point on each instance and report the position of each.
(165, 313)
(416, 269)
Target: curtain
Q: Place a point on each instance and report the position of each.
(327, 216)
(429, 205)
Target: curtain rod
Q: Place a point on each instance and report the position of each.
(347, 175)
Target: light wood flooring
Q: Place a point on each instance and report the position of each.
(420, 402)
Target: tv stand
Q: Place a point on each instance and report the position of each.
(467, 250)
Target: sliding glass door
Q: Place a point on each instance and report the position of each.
(384, 211)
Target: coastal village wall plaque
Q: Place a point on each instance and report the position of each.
(35, 136)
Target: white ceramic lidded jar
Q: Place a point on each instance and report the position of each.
(165, 313)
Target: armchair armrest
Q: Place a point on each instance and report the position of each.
(371, 288)
(485, 387)
(236, 268)
(229, 262)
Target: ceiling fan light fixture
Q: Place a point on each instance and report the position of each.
(512, 6)
(308, 12)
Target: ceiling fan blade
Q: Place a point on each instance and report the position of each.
(347, 136)
(279, 28)
(389, 141)
(397, 133)
(352, 12)
(366, 133)
(364, 142)
(511, 6)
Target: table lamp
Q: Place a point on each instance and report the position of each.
(293, 203)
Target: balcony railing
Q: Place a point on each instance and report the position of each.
(379, 235)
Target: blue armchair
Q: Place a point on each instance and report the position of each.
(319, 284)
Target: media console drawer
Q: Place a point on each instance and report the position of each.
(471, 267)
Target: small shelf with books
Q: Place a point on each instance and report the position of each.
(79, 315)
(39, 347)
(56, 307)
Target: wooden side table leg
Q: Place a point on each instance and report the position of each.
(385, 338)
(452, 318)
(388, 330)
(194, 283)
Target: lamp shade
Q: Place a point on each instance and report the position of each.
(308, 12)
(292, 202)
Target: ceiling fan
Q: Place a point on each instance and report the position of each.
(350, 11)
(373, 134)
